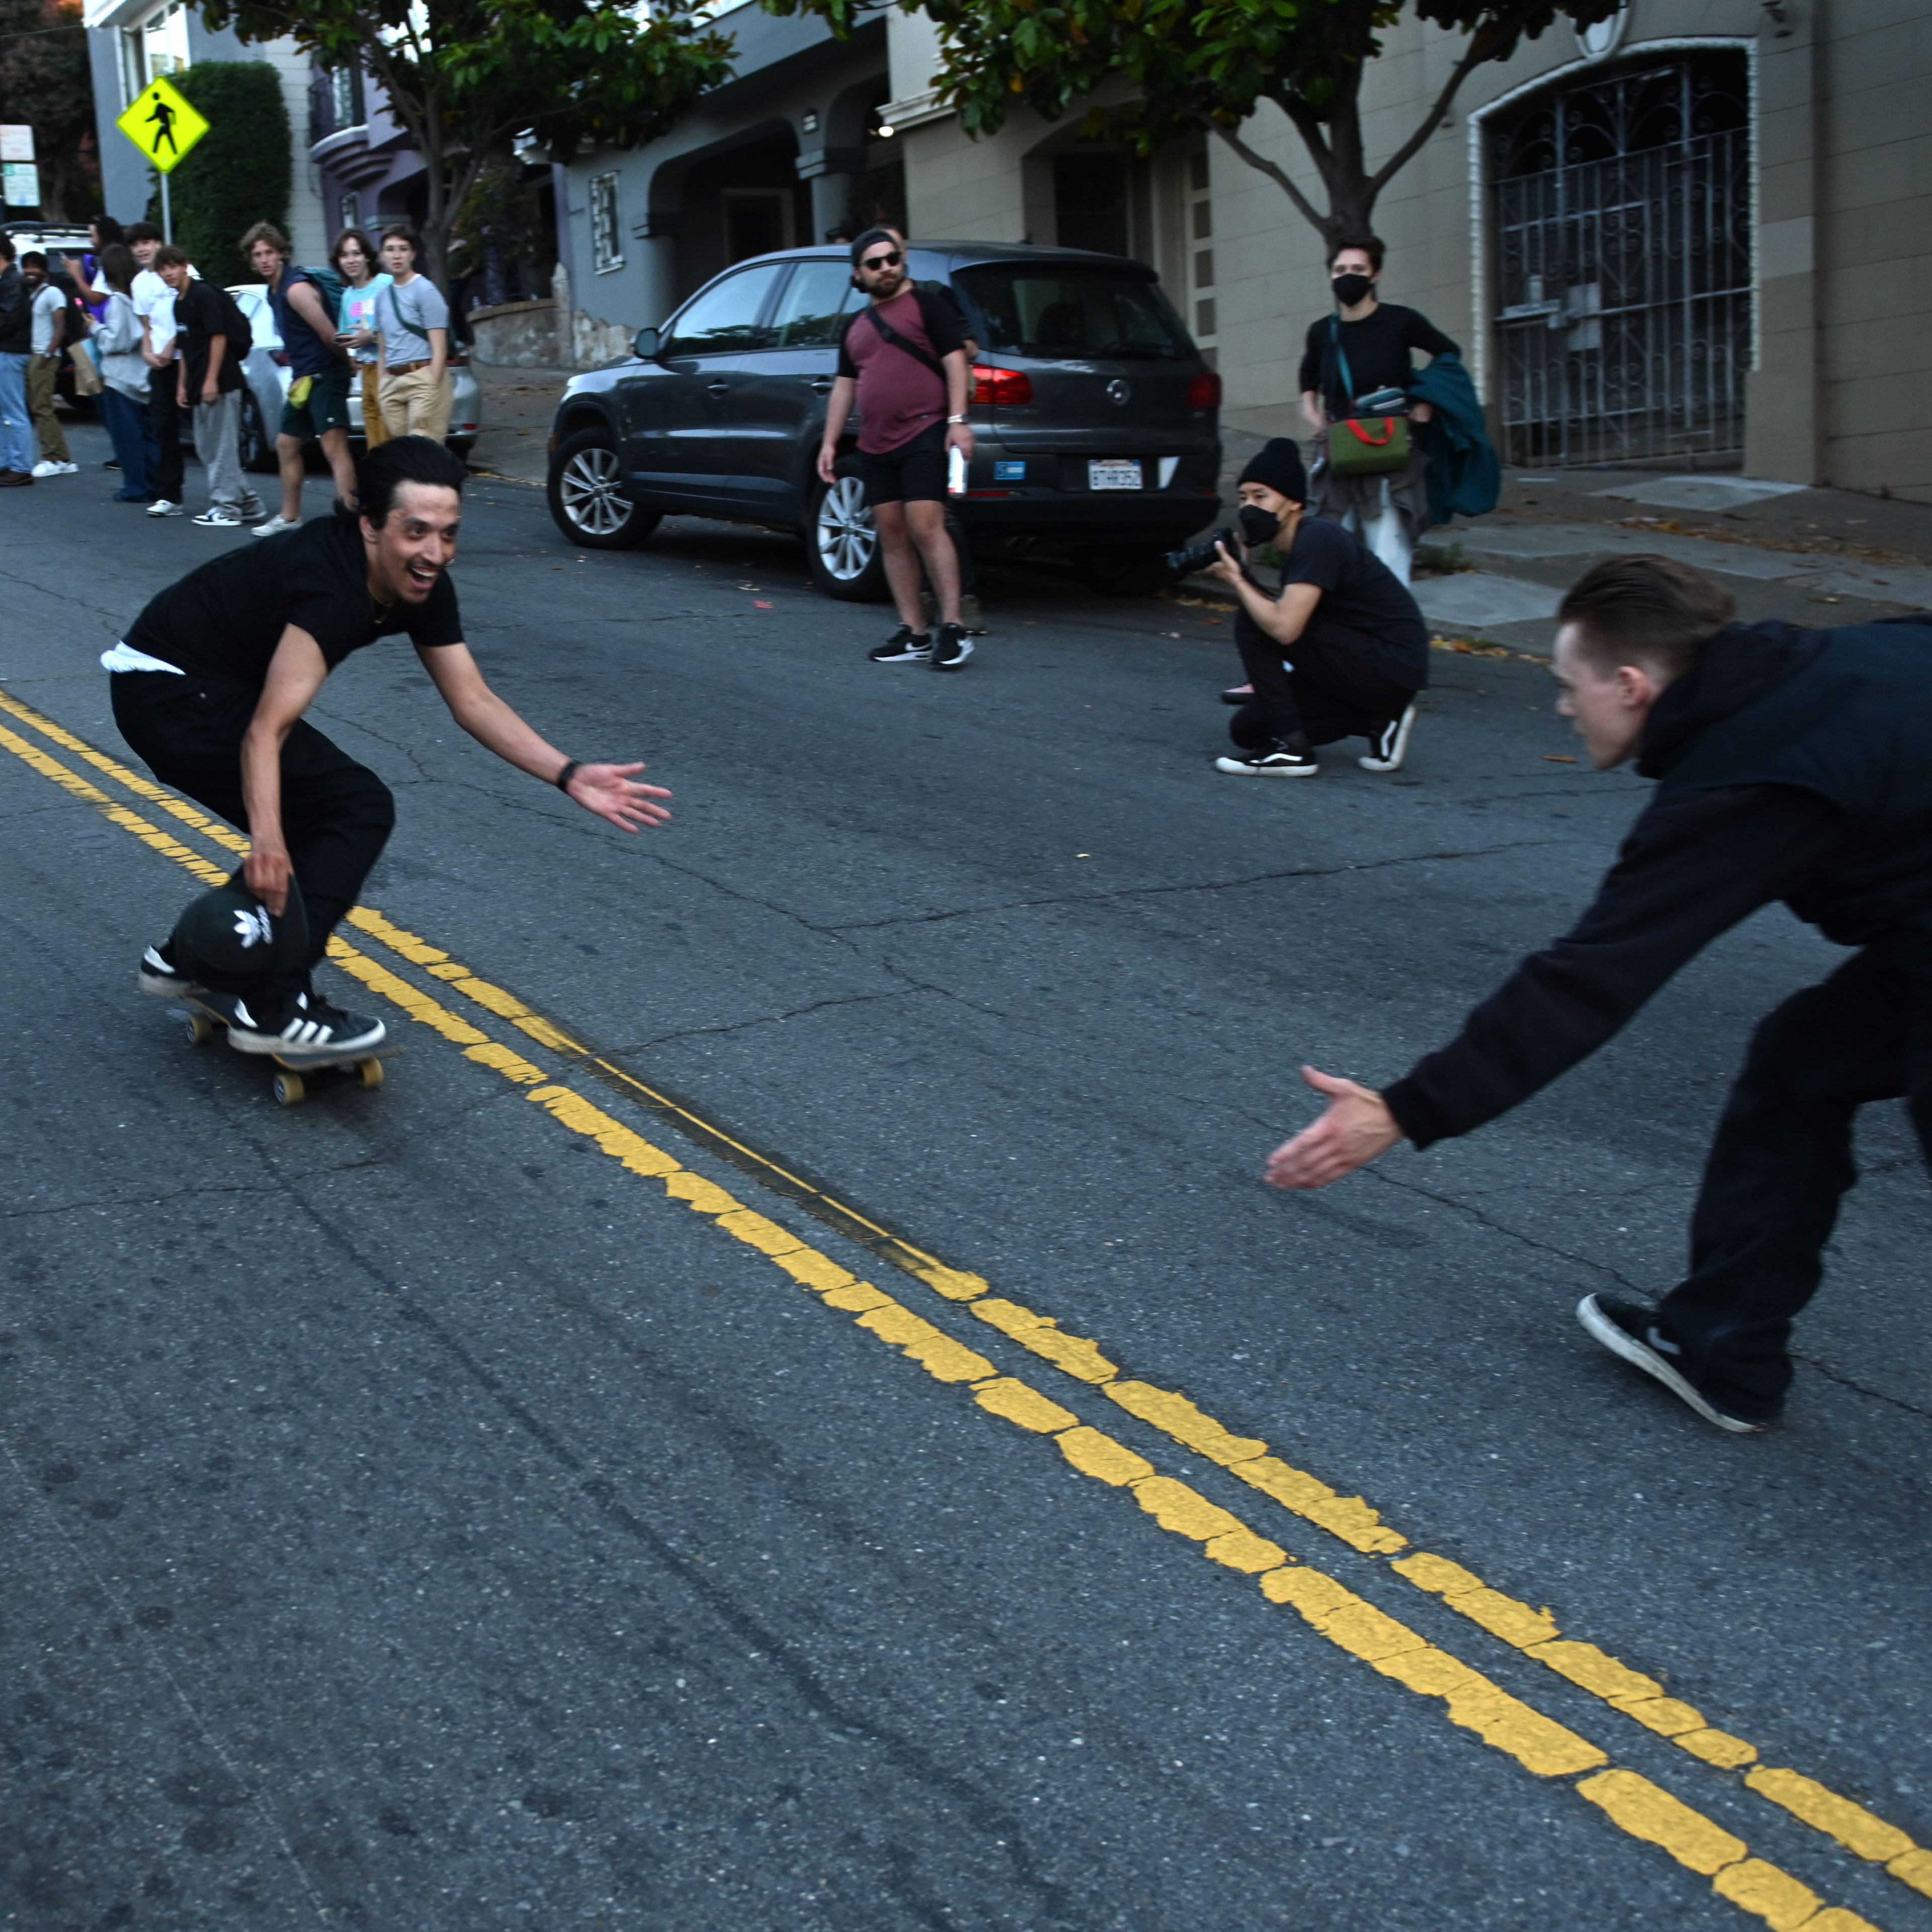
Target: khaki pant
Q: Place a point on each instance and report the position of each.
(414, 406)
(41, 370)
(374, 430)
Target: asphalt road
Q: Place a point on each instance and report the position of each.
(626, 1472)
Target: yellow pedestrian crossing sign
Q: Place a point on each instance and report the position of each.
(162, 123)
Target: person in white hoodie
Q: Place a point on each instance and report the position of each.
(124, 398)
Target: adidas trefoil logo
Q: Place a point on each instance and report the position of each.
(254, 929)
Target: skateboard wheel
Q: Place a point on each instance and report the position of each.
(370, 1072)
(200, 1029)
(289, 1090)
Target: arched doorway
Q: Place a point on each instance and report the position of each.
(1621, 207)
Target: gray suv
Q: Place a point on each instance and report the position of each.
(1095, 419)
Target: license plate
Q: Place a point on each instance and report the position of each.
(1118, 474)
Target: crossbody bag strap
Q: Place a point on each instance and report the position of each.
(1341, 361)
(887, 333)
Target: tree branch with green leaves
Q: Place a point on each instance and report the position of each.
(1195, 67)
(464, 78)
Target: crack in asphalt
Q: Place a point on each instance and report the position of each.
(146, 1199)
(1185, 886)
(771, 1019)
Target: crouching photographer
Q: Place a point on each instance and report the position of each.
(1340, 651)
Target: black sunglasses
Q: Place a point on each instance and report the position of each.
(882, 261)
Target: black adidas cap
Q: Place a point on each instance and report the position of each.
(229, 931)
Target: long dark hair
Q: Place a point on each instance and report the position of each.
(108, 229)
(117, 266)
(360, 236)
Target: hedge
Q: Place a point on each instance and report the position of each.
(239, 174)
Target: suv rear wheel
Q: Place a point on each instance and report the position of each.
(586, 496)
(841, 544)
(254, 446)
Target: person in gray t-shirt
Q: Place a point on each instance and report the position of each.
(412, 385)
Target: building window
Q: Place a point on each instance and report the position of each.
(607, 246)
(1199, 198)
(156, 45)
(345, 90)
(351, 211)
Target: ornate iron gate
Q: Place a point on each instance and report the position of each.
(1622, 211)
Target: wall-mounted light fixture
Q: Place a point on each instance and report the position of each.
(808, 120)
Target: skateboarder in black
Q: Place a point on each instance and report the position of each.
(1792, 766)
(210, 685)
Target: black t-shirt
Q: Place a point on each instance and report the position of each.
(1378, 349)
(201, 312)
(1361, 595)
(225, 620)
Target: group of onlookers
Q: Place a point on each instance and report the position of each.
(161, 351)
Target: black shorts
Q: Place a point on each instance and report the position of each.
(915, 472)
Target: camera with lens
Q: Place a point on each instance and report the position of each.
(1199, 554)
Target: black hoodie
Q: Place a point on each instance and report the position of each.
(1794, 765)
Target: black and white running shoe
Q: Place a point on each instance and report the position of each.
(1631, 1331)
(953, 648)
(306, 1026)
(1388, 743)
(160, 977)
(1279, 760)
(905, 646)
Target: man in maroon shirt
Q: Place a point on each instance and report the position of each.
(903, 360)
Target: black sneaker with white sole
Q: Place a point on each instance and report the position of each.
(1630, 1329)
(1285, 758)
(951, 648)
(905, 646)
(1388, 742)
(160, 976)
(300, 1027)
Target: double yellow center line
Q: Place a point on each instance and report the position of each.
(1468, 1699)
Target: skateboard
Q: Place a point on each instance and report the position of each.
(291, 1084)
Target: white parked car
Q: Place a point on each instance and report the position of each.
(266, 371)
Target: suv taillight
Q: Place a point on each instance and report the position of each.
(279, 357)
(1012, 388)
(1204, 391)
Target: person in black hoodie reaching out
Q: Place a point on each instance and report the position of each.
(1791, 766)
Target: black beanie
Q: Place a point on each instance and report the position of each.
(1278, 465)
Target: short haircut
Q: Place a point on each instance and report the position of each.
(7, 249)
(119, 267)
(139, 231)
(870, 240)
(1645, 610)
(360, 238)
(401, 231)
(404, 459)
(265, 231)
(1371, 245)
(33, 259)
(173, 255)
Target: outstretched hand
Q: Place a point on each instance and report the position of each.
(609, 791)
(1355, 1128)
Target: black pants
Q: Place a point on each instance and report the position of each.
(1337, 689)
(1782, 1161)
(336, 814)
(164, 470)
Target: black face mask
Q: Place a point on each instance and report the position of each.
(1351, 288)
(1257, 526)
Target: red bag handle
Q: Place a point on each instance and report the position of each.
(1374, 442)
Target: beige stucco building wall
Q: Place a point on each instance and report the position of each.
(1840, 389)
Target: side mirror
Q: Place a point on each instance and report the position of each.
(645, 344)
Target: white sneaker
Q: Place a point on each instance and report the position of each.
(48, 467)
(161, 507)
(1388, 743)
(278, 522)
(219, 518)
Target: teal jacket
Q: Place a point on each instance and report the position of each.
(1464, 476)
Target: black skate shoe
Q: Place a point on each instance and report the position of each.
(1630, 1329)
(160, 977)
(905, 646)
(304, 1026)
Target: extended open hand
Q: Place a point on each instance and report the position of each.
(1356, 1127)
(609, 791)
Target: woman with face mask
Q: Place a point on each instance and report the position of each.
(1340, 651)
(1362, 345)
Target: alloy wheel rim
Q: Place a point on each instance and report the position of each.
(589, 489)
(847, 537)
